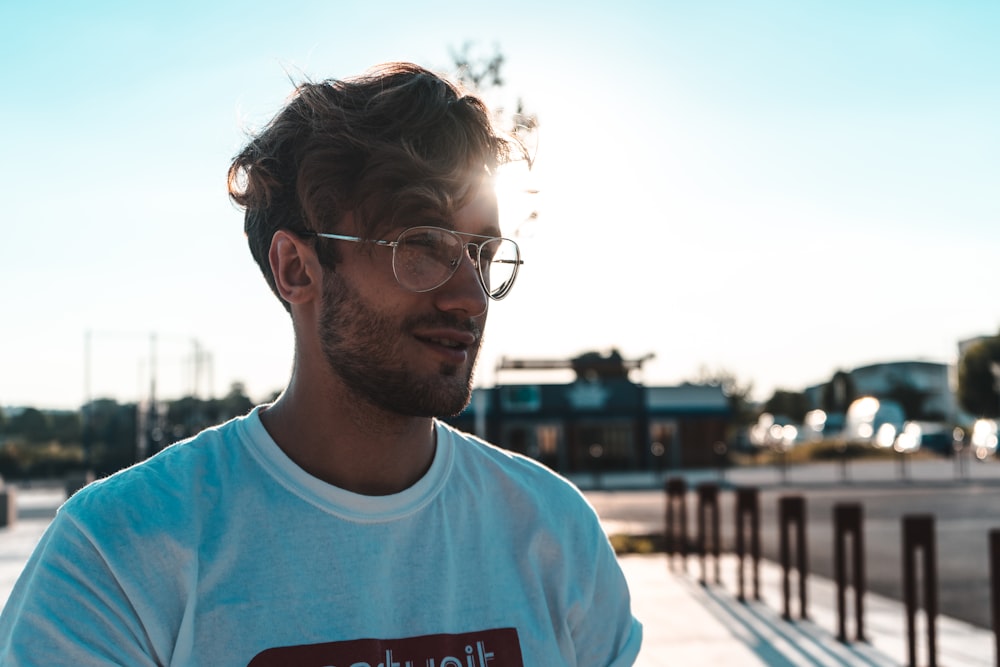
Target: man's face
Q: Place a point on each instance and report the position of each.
(408, 353)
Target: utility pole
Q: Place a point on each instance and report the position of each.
(87, 400)
(995, 369)
(196, 360)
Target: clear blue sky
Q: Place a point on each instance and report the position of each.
(779, 189)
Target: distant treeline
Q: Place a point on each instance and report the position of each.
(104, 436)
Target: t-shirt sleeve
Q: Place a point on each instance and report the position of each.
(605, 633)
(68, 608)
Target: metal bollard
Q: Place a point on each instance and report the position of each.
(847, 520)
(904, 469)
(676, 541)
(995, 590)
(960, 455)
(708, 501)
(792, 509)
(918, 534)
(748, 506)
(8, 506)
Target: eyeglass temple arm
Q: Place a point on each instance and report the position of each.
(355, 239)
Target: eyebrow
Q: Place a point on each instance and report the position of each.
(491, 231)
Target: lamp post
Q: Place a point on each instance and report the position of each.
(596, 451)
(842, 456)
(959, 453)
(721, 450)
(657, 449)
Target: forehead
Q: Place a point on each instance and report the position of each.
(479, 213)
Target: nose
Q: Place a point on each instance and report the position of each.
(472, 250)
(464, 293)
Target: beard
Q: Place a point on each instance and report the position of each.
(365, 349)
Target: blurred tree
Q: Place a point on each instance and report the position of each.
(737, 392)
(235, 403)
(790, 404)
(3, 421)
(112, 433)
(185, 417)
(478, 72)
(979, 378)
(31, 424)
(66, 427)
(188, 415)
(483, 75)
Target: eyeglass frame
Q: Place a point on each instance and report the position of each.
(477, 260)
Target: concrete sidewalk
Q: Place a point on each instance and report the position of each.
(684, 622)
(688, 624)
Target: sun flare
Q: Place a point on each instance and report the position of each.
(517, 192)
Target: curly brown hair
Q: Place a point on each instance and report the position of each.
(394, 145)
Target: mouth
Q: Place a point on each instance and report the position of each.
(446, 342)
(452, 346)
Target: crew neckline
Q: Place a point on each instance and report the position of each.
(348, 505)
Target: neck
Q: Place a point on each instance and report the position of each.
(349, 443)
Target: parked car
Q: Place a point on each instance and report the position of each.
(936, 437)
(874, 422)
(984, 438)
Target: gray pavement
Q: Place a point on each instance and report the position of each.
(684, 622)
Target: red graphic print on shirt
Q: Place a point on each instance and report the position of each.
(485, 648)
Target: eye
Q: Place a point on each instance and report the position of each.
(488, 250)
(421, 238)
(432, 245)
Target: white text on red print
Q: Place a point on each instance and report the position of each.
(475, 656)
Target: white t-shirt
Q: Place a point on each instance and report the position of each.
(222, 551)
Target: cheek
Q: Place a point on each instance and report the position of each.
(370, 274)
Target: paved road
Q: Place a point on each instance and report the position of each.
(965, 511)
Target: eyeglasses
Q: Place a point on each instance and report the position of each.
(424, 258)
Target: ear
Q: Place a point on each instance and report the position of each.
(297, 272)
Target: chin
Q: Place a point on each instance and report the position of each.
(444, 392)
(452, 399)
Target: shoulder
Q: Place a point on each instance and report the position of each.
(162, 486)
(522, 481)
(503, 461)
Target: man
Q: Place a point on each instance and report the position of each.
(343, 524)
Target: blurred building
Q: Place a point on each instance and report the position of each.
(922, 386)
(602, 420)
(925, 390)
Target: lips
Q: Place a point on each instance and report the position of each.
(447, 342)
(450, 345)
(453, 339)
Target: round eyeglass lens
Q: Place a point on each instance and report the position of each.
(499, 260)
(426, 257)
